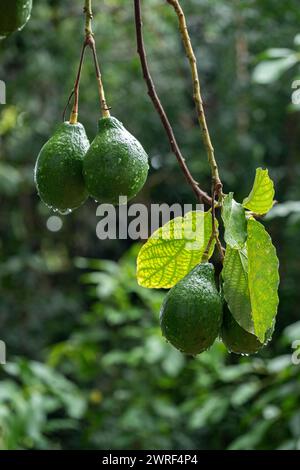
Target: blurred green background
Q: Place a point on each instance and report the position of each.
(87, 367)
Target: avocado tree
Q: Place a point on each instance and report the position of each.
(177, 255)
(249, 277)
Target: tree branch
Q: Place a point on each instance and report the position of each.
(216, 181)
(201, 195)
(197, 95)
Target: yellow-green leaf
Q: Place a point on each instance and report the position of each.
(261, 197)
(263, 278)
(174, 249)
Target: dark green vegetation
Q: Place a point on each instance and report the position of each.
(115, 165)
(58, 170)
(191, 314)
(14, 14)
(87, 365)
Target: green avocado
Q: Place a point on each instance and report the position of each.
(238, 340)
(58, 169)
(191, 315)
(14, 14)
(115, 165)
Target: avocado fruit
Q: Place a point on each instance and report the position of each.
(238, 340)
(191, 315)
(58, 169)
(14, 15)
(116, 163)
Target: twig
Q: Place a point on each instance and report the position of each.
(92, 44)
(200, 194)
(67, 105)
(197, 94)
(104, 108)
(89, 41)
(216, 181)
(214, 233)
(75, 91)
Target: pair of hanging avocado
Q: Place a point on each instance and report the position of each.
(192, 316)
(69, 169)
(14, 15)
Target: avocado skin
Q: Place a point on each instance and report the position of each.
(14, 14)
(238, 340)
(191, 315)
(58, 169)
(115, 165)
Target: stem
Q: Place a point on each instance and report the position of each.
(216, 181)
(104, 108)
(197, 94)
(88, 17)
(75, 91)
(200, 194)
(90, 41)
(214, 233)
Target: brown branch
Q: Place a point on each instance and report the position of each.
(200, 194)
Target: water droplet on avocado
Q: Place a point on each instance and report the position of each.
(58, 170)
(13, 16)
(112, 163)
(65, 212)
(191, 314)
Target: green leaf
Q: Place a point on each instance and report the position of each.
(236, 290)
(285, 209)
(269, 71)
(233, 215)
(174, 249)
(263, 278)
(260, 199)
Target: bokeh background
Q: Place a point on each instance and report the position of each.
(87, 367)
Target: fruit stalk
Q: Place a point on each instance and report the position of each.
(90, 41)
(75, 91)
(201, 195)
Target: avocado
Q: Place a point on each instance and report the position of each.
(115, 165)
(58, 169)
(14, 14)
(238, 340)
(191, 315)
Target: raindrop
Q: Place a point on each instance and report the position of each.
(65, 212)
(54, 223)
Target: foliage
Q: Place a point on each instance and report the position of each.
(36, 404)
